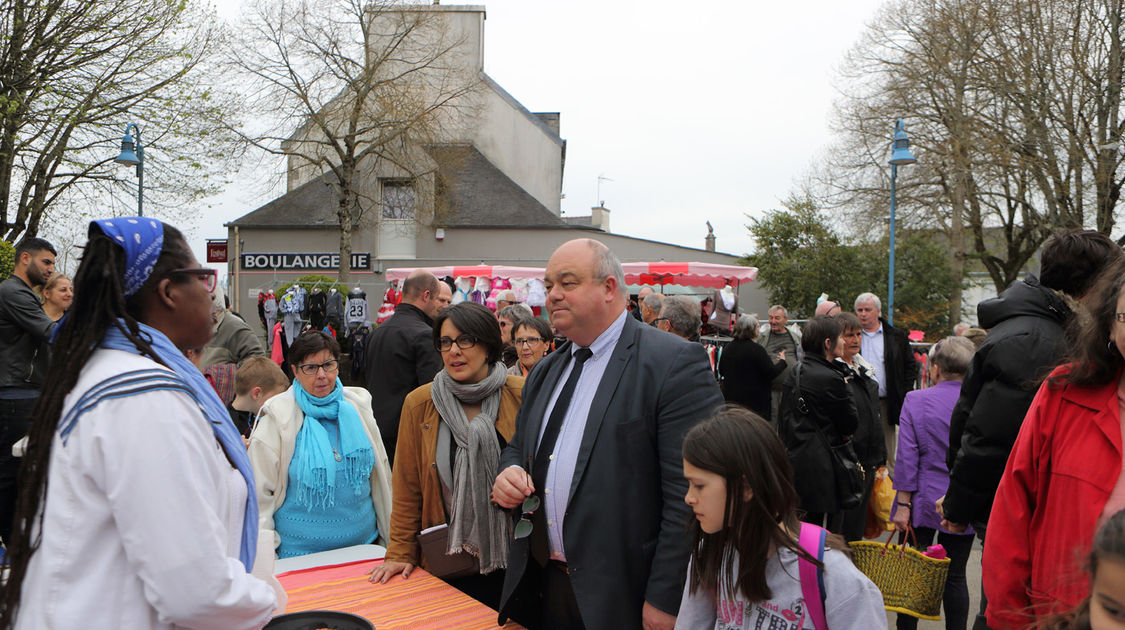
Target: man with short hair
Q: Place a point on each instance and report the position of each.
(780, 337)
(650, 307)
(888, 349)
(680, 316)
(1025, 341)
(641, 295)
(504, 299)
(24, 355)
(598, 441)
(444, 296)
(400, 353)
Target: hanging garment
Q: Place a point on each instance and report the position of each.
(356, 312)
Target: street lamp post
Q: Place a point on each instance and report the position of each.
(131, 157)
(900, 155)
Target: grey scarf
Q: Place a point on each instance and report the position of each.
(475, 525)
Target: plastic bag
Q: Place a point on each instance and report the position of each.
(879, 506)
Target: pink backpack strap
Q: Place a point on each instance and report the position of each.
(812, 541)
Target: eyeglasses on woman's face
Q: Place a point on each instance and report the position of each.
(463, 342)
(310, 369)
(210, 277)
(527, 341)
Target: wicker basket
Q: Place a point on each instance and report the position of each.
(911, 583)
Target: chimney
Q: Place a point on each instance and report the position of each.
(599, 217)
(710, 239)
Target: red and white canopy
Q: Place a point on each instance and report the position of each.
(691, 274)
(488, 271)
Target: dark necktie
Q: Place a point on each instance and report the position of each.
(542, 460)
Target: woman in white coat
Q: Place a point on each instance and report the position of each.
(151, 520)
(323, 476)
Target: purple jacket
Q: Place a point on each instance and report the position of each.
(923, 440)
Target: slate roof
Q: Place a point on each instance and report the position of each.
(311, 205)
(472, 192)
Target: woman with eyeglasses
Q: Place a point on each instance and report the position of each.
(323, 476)
(450, 436)
(532, 339)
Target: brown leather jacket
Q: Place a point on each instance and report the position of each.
(416, 487)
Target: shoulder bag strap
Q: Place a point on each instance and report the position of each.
(812, 541)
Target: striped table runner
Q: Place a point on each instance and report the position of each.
(423, 601)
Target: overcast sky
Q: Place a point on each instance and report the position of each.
(695, 111)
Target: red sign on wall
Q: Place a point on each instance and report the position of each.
(216, 251)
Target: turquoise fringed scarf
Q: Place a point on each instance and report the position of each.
(313, 458)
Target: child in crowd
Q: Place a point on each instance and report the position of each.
(1104, 607)
(744, 570)
(257, 380)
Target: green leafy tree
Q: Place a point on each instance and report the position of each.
(7, 259)
(799, 256)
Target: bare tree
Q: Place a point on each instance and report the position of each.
(354, 91)
(73, 73)
(1014, 109)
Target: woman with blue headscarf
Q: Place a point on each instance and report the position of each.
(323, 475)
(151, 519)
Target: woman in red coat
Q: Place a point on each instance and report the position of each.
(1064, 476)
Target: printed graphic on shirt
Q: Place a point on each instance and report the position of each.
(770, 615)
(356, 311)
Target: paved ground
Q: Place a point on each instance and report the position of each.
(973, 577)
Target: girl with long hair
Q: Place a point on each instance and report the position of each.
(744, 560)
(150, 520)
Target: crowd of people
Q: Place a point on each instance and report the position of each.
(587, 469)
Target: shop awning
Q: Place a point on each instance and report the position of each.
(692, 274)
(488, 271)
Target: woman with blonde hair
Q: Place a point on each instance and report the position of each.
(57, 296)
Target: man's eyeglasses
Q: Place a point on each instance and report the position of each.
(210, 277)
(527, 511)
(310, 369)
(659, 319)
(527, 341)
(463, 342)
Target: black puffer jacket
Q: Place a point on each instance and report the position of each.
(830, 408)
(1024, 343)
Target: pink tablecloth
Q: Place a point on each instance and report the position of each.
(422, 601)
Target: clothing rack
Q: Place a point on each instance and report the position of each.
(713, 345)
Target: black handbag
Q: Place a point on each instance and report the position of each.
(847, 472)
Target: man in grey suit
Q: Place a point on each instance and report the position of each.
(598, 441)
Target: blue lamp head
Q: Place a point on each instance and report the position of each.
(900, 147)
(128, 155)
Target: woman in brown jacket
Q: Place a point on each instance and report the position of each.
(450, 436)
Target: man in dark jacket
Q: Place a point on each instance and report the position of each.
(401, 355)
(24, 355)
(1024, 343)
(888, 349)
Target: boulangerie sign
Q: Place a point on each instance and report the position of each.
(303, 261)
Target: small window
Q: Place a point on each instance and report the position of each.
(398, 200)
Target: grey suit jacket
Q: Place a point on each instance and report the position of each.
(625, 529)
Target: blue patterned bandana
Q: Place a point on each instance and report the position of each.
(142, 239)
